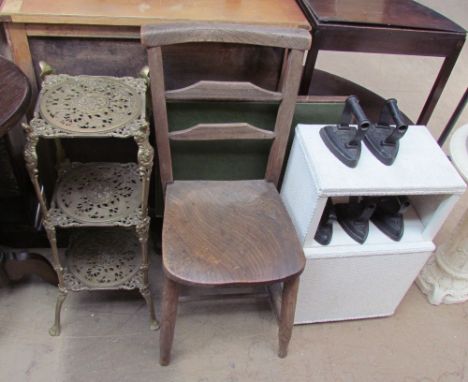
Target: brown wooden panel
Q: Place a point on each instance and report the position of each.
(91, 31)
(123, 57)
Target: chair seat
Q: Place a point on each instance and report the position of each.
(228, 233)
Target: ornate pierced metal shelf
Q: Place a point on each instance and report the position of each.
(97, 194)
(103, 259)
(90, 106)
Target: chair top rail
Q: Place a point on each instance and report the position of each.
(179, 33)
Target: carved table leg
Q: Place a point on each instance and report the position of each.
(288, 307)
(55, 329)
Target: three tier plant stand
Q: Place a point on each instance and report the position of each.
(105, 203)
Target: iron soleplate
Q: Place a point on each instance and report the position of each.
(385, 153)
(336, 138)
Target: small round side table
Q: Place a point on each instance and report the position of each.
(15, 97)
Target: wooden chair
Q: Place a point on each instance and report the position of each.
(227, 233)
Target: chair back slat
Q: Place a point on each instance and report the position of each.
(294, 41)
(223, 91)
(180, 33)
(221, 131)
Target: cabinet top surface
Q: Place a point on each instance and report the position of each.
(139, 12)
(382, 13)
(421, 167)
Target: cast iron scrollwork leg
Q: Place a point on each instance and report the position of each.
(142, 231)
(146, 293)
(51, 233)
(55, 329)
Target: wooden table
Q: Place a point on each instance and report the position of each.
(41, 20)
(383, 26)
(14, 97)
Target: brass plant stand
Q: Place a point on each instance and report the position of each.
(99, 195)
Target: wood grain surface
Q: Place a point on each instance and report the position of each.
(139, 12)
(180, 33)
(228, 233)
(388, 13)
(221, 131)
(14, 94)
(223, 90)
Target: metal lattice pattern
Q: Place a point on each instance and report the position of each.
(87, 103)
(104, 258)
(99, 192)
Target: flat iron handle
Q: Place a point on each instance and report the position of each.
(354, 109)
(403, 203)
(390, 113)
(368, 209)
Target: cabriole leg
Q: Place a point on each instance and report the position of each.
(146, 293)
(55, 329)
(142, 231)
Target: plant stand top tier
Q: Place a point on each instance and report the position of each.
(383, 26)
(131, 13)
(90, 106)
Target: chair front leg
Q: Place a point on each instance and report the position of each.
(170, 300)
(288, 308)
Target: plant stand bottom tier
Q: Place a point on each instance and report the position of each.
(355, 286)
(104, 259)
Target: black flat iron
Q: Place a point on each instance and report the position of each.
(382, 138)
(324, 232)
(388, 216)
(343, 140)
(354, 216)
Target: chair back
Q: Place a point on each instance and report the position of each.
(294, 41)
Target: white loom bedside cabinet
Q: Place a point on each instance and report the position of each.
(346, 280)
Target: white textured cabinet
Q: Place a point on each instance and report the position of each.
(347, 280)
